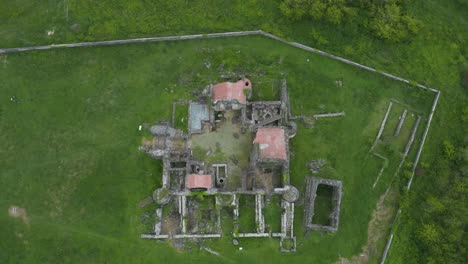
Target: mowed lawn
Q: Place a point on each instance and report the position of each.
(68, 149)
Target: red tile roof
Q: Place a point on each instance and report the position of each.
(231, 91)
(194, 181)
(272, 141)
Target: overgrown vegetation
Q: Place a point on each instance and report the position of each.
(433, 223)
(386, 19)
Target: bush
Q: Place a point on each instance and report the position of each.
(384, 19)
(449, 150)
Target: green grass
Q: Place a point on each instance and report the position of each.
(288, 243)
(272, 214)
(69, 148)
(76, 137)
(323, 205)
(247, 214)
(227, 215)
(181, 117)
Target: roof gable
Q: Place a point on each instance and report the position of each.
(195, 181)
(229, 91)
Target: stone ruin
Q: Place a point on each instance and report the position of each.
(315, 165)
(185, 177)
(312, 184)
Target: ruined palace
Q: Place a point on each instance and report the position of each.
(231, 150)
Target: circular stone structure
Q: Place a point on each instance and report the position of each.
(225, 200)
(161, 196)
(291, 194)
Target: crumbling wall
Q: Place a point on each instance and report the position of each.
(259, 217)
(285, 104)
(312, 184)
(177, 158)
(400, 123)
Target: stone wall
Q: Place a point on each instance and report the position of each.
(312, 184)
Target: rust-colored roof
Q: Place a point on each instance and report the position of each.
(193, 181)
(231, 91)
(272, 142)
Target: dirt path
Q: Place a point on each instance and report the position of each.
(377, 231)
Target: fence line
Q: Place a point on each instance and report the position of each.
(208, 36)
(131, 41)
(390, 238)
(323, 53)
(416, 161)
(423, 140)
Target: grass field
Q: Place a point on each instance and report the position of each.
(272, 214)
(69, 147)
(68, 150)
(247, 214)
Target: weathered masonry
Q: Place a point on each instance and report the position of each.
(234, 151)
(312, 185)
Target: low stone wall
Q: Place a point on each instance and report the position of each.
(418, 155)
(329, 115)
(287, 219)
(259, 218)
(384, 121)
(197, 236)
(312, 184)
(131, 41)
(149, 236)
(400, 123)
(158, 224)
(154, 236)
(254, 235)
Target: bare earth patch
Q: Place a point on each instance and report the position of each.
(378, 230)
(18, 212)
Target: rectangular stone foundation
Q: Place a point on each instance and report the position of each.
(312, 184)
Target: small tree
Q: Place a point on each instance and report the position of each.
(334, 15)
(318, 10)
(449, 150)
